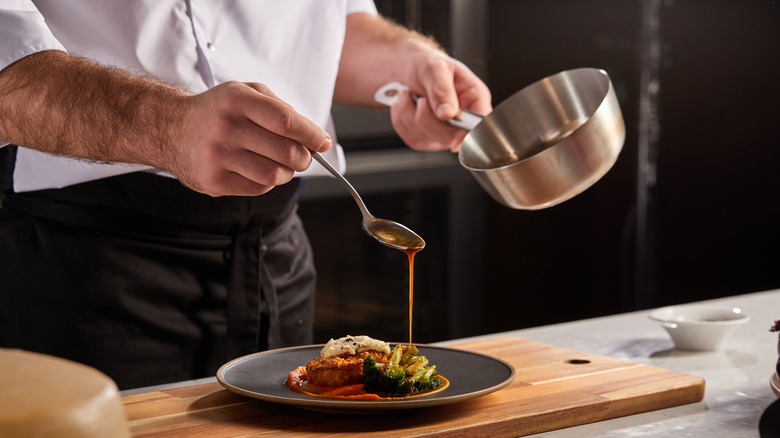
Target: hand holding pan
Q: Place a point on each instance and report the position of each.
(544, 144)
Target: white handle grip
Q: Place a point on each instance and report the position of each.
(388, 94)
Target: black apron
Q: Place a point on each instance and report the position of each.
(151, 282)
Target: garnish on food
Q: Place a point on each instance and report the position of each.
(405, 373)
(359, 367)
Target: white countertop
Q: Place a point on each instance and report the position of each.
(737, 376)
(737, 388)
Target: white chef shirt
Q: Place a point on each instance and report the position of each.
(293, 47)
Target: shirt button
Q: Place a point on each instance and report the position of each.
(211, 46)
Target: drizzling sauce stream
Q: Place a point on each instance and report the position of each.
(410, 253)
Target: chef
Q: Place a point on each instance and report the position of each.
(151, 153)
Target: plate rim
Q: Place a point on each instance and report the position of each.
(338, 405)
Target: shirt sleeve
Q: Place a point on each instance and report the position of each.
(23, 31)
(354, 6)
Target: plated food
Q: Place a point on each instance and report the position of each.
(358, 374)
(262, 376)
(363, 368)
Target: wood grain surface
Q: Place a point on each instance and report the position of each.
(554, 388)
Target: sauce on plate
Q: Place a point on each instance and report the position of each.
(296, 380)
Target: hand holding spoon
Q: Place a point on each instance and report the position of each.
(387, 232)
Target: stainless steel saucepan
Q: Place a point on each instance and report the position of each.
(544, 144)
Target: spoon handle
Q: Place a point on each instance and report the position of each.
(388, 95)
(320, 159)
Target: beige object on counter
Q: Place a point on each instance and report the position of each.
(699, 327)
(45, 396)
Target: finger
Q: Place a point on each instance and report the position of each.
(440, 136)
(420, 129)
(403, 117)
(262, 142)
(235, 184)
(221, 182)
(473, 94)
(475, 101)
(269, 112)
(257, 168)
(263, 89)
(237, 172)
(438, 81)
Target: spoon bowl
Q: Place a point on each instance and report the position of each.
(392, 234)
(385, 231)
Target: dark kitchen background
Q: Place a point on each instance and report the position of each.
(690, 211)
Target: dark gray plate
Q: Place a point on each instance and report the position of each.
(262, 376)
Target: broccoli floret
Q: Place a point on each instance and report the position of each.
(410, 354)
(393, 382)
(395, 356)
(399, 377)
(430, 385)
(416, 364)
(423, 375)
(425, 379)
(372, 375)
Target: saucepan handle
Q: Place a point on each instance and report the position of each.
(388, 95)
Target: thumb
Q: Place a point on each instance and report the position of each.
(444, 102)
(441, 94)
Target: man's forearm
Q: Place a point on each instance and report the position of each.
(53, 102)
(234, 139)
(375, 52)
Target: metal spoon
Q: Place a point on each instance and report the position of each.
(385, 231)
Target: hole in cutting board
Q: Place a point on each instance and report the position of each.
(577, 361)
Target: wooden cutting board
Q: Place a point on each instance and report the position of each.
(554, 388)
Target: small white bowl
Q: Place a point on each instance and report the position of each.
(699, 327)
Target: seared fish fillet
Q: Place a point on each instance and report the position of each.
(346, 369)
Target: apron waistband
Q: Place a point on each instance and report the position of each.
(157, 204)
